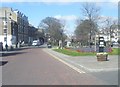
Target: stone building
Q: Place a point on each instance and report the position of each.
(15, 29)
(31, 33)
(8, 27)
(23, 25)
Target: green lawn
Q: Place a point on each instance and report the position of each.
(73, 52)
(115, 51)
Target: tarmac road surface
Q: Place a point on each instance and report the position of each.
(36, 67)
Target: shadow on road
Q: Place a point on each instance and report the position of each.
(35, 47)
(11, 53)
(19, 49)
(2, 63)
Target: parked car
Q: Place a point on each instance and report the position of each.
(49, 45)
(36, 43)
(115, 44)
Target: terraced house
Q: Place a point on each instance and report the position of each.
(14, 27)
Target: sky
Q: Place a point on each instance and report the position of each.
(61, 9)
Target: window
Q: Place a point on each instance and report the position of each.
(13, 31)
(5, 39)
(5, 30)
(5, 26)
(4, 22)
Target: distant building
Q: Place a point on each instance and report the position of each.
(31, 33)
(113, 36)
(23, 25)
(110, 37)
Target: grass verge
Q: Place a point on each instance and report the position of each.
(115, 51)
(73, 52)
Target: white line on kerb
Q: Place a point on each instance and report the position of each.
(71, 66)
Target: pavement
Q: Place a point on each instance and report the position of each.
(88, 63)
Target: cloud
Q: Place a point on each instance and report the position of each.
(69, 22)
(102, 22)
(106, 17)
(67, 18)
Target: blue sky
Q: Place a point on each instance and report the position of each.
(36, 11)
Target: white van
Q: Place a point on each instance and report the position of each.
(36, 43)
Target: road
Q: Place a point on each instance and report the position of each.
(36, 67)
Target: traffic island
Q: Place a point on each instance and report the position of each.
(102, 56)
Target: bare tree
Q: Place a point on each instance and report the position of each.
(91, 13)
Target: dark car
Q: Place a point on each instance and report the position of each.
(49, 45)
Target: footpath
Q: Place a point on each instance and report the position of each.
(88, 63)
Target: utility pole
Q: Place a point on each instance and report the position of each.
(110, 36)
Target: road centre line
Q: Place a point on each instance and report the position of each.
(71, 66)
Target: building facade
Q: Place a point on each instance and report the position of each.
(23, 25)
(14, 27)
(8, 27)
(110, 36)
(31, 33)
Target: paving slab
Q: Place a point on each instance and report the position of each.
(89, 63)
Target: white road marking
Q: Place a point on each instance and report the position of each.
(85, 68)
(71, 66)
